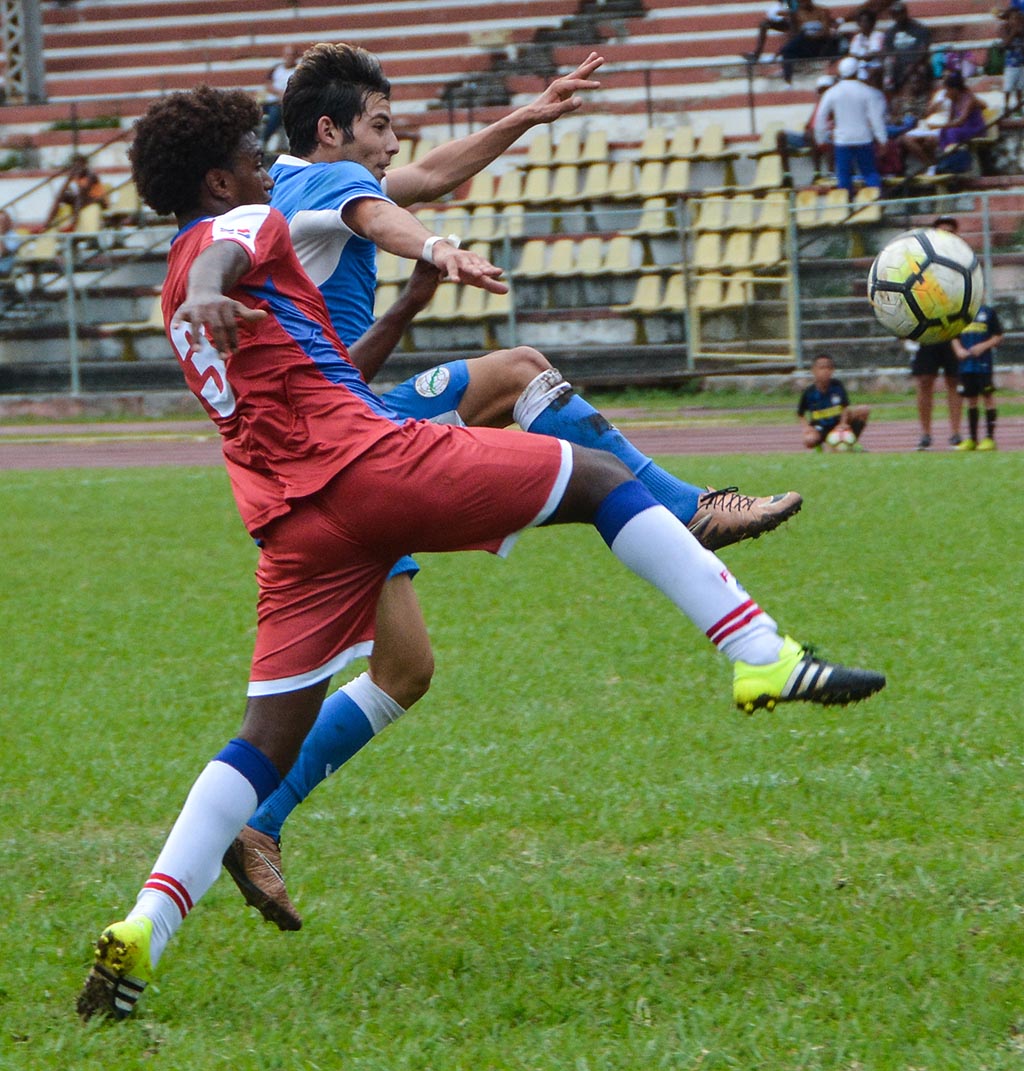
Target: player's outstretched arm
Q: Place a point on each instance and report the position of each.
(398, 231)
(449, 165)
(369, 352)
(213, 273)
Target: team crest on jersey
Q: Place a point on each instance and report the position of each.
(432, 383)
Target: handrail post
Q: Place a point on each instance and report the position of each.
(72, 305)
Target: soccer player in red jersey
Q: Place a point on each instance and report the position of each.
(335, 489)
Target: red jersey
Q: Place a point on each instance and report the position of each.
(292, 410)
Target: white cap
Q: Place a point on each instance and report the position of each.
(825, 81)
(848, 67)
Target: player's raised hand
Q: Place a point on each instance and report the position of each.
(219, 316)
(463, 266)
(560, 97)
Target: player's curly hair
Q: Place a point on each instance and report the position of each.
(331, 80)
(181, 137)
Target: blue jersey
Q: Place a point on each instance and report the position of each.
(341, 264)
(984, 325)
(824, 407)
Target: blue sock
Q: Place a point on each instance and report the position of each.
(570, 417)
(340, 730)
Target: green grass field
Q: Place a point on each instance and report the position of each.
(575, 854)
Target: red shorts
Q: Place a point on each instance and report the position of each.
(426, 487)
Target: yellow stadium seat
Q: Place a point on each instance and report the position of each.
(510, 188)
(595, 182)
(622, 181)
(539, 152)
(482, 225)
(674, 298)
(774, 210)
(564, 184)
(620, 256)
(836, 208)
(390, 268)
(568, 149)
(533, 259)
(646, 295)
(866, 206)
(589, 256)
(708, 294)
(562, 258)
(651, 181)
(481, 189)
(595, 147)
(385, 296)
(654, 145)
(742, 212)
(737, 251)
(443, 306)
(768, 175)
(655, 218)
(806, 208)
(767, 252)
(536, 186)
(676, 180)
(681, 145)
(711, 214)
(707, 252)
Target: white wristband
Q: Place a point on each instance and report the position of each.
(428, 245)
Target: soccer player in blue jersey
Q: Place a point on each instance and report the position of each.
(335, 488)
(342, 202)
(975, 349)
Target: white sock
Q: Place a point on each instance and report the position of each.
(656, 546)
(218, 806)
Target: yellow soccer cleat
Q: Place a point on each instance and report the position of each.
(120, 971)
(987, 444)
(798, 677)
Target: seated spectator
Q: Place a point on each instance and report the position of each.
(789, 141)
(813, 35)
(776, 18)
(966, 120)
(1011, 36)
(82, 187)
(919, 141)
(906, 45)
(824, 406)
(868, 43)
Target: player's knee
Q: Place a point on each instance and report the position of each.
(406, 680)
(526, 364)
(812, 438)
(595, 474)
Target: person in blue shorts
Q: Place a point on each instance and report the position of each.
(825, 406)
(342, 202)
(975, 349)
(334, 488)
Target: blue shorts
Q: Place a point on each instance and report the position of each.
(431, 394)
(427, 396)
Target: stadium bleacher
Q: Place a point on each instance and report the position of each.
(584, 216)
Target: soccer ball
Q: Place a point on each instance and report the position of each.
(925, 285)
(841, 439)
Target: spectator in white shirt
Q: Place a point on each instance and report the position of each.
(858, 114)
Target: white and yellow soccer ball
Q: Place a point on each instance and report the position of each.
(925, 285)
(840, 439)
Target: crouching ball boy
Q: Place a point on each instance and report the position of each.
(335, 490)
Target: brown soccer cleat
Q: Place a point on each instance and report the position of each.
(254, 861)
(725, 517)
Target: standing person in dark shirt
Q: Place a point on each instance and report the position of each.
(975, 349)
